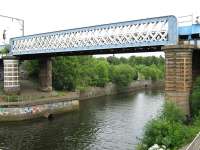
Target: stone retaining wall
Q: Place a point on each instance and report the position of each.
(111, 89)
(15, 111)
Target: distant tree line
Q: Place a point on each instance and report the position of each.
(79, 72)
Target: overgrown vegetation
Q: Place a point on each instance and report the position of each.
(171, 127)
(195, 98)
(123, 74)
(80, 72)
(4, 50)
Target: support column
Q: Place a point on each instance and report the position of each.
(45, 74)
(11, 76)
(1, 70)
(195, 64)
(178, 75)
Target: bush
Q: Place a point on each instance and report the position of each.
(152, 72)
(65, 71)
(81, 72)
(102, 76)
(195, 97)
(165, 132)
(172, 113)
(168, 129)
(123, 74)
(4, 50)
(32, 66)
(92, 72)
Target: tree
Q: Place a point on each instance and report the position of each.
(65, 73)
(102, 70)
(32, 67)
(123, 74)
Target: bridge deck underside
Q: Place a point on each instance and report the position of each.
(94, 52)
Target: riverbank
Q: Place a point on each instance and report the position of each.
(112, 89)
(24, 110)
(104, 123)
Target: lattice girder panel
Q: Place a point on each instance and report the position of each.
(138, 33)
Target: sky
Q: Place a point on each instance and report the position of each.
(51, 15)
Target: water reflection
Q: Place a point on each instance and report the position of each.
(112, 122)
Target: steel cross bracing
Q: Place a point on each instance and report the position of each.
(137, 33)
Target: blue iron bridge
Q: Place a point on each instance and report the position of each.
(145, 35)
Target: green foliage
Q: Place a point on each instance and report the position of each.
(172, 113)
(80, 72)
(152, 73)
(147, 61)
(168, 129)
(113, 60)
(164, 132)
(123, 74)
(195, 97)
(92, 72)
(102, 76)
(32, 66)
(65, 72)
(4, 50)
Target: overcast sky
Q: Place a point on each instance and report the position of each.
(50, 15)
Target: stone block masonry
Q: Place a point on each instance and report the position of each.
(178, 75)
(16, 111)
(112, 89)
(45, 74)
(11, 75)
(27, 111)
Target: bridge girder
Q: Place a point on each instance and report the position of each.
(150, 32)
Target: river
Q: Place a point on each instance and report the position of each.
(106, 123)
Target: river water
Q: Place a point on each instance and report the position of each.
(106, 123)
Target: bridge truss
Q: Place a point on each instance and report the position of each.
(143, 33)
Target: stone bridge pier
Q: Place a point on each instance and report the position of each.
(12, 77)
(182, 65)
(45, 74)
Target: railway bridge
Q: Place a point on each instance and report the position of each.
(180, 44)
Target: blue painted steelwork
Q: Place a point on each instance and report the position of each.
(189, 30)
(138, 33)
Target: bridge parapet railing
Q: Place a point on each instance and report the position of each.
(185, 20)
(136, 33)
(195, 144)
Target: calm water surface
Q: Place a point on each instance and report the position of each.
(106, 123)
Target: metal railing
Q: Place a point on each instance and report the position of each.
(185, 20)
(195, 144)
